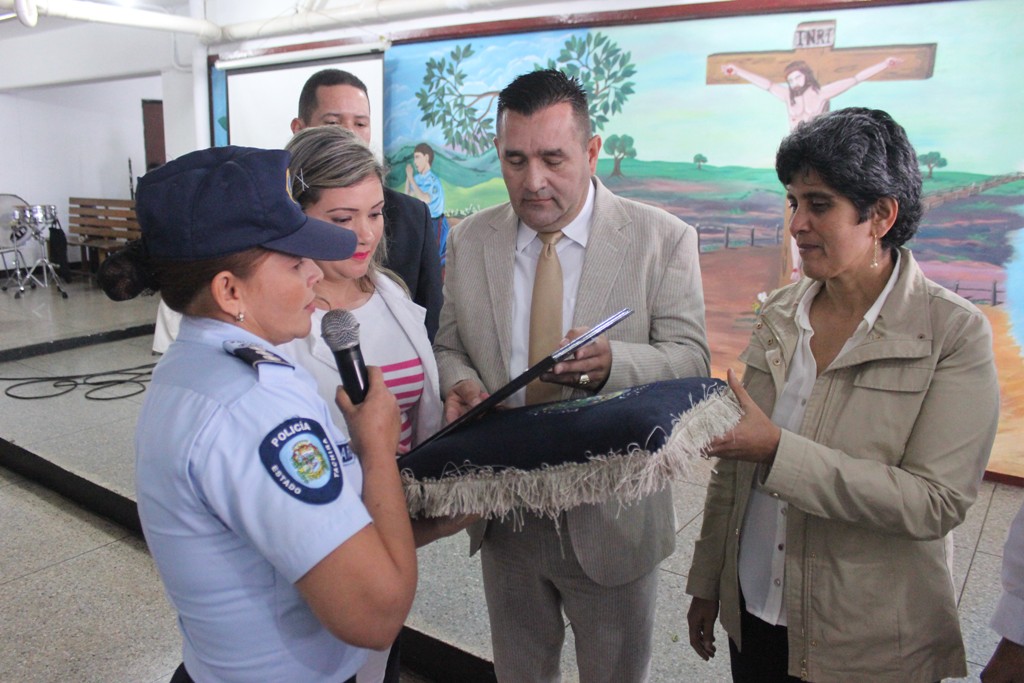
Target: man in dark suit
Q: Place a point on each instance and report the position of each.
(338, 98)
(598, 564)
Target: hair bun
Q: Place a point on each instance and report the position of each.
(126, 273)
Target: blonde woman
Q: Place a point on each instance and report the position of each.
(336, 179)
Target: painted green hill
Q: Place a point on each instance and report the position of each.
(749, 201)
(453, 169)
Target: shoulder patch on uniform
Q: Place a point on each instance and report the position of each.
(254, 354)
(298, 456)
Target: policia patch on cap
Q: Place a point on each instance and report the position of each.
(301, 459)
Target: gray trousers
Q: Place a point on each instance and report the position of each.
(530, 577)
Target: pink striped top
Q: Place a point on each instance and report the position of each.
(384, 343)
(405, 380)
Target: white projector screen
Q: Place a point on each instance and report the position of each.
(262, 102)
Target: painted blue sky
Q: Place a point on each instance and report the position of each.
(969, 110)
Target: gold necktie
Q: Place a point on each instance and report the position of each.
(545, 316)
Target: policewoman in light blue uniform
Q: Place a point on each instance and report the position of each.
(284, 548)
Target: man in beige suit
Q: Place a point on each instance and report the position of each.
(599, 562)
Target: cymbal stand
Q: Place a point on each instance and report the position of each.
(19, 274)
(43, 264)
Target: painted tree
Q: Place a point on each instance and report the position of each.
(619, 148)
(932, 160)
(465, 119)
(603, 68)
(700, 160)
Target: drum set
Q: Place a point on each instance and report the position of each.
(30, 223)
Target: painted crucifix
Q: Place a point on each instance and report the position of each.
(814, 72)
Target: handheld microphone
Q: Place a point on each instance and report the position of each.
(340, 331)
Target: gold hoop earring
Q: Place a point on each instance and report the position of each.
(240, 318)
(876, 254)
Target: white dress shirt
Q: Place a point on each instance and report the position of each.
(572, 249)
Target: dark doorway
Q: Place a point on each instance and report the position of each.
(153, 131)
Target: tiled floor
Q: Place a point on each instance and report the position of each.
(79, 596)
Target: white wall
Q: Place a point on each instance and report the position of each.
(84, 52)
(74, 140)
(180, 135)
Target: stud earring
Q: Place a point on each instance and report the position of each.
(240, 318)
(876, 254)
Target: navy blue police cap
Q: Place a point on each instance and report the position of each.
(223, 200)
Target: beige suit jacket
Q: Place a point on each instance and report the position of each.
(637, 256)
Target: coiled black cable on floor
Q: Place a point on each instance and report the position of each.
(109, 385)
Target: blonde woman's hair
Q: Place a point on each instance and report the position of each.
(326, 157)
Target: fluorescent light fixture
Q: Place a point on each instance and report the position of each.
(272, 59)
(4, 16)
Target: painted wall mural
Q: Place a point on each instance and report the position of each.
(675, 138)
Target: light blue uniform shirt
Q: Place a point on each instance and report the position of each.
(244, 484)
(431, 185)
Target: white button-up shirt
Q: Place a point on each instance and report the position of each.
(572, 249)
(763, 536)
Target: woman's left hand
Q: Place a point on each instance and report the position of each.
(754, 439)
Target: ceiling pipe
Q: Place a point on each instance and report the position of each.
(303, 22)
(330, 51)
(379, 12)
(26, 12)
(207, 31)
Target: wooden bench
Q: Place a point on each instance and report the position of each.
(101, 226)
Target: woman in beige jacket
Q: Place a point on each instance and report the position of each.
(871, 404)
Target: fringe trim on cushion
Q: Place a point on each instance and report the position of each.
(548, 491)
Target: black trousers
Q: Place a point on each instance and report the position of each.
(393, 669)
(765, 656)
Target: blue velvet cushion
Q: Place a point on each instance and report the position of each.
(552, 456)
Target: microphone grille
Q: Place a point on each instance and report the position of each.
(340, 329)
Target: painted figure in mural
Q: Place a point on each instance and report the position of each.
(421, 182)
(332, 97)
(599, 564)
(803, 96)
(870, 407)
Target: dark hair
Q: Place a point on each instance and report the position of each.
(325, 77)
(863, 155)
(531, 92)
(425, 149)
(127, 273)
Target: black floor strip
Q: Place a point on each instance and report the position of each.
(57, 345)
